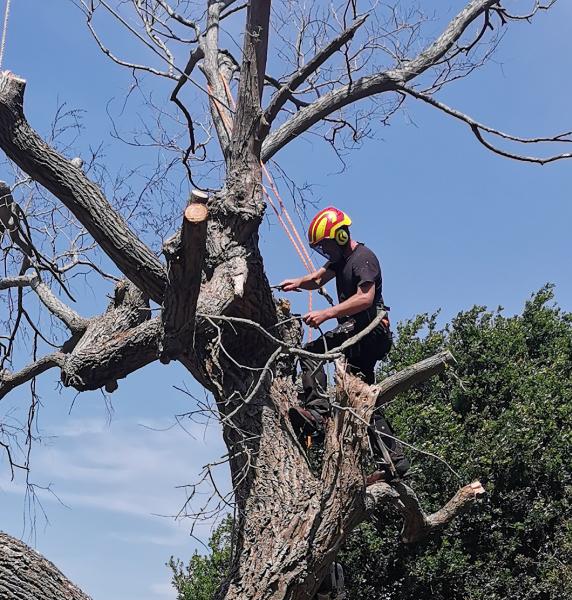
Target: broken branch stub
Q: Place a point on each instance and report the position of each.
(417, 525)
(185, 253)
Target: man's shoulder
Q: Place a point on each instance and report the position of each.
(362, 252)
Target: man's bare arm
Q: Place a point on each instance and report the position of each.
(360, 301)
(312, 281)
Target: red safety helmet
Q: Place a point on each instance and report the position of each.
(329, 224)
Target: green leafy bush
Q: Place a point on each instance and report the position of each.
(201, 577)
(502, 415)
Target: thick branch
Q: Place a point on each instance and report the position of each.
(103, 364)
(185, 256)
(120, 341)
(105, 349)
(82, 197)
(9, 381)
(285, 91)
(374, 84)
(412, 375)
(245, 143)
(417, 525)
(324, 106)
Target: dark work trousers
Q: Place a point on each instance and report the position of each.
(361, 358)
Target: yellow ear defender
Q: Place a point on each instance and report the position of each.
(342, 237)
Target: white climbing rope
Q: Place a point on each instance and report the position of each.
(4, 31)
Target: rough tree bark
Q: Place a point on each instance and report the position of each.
(27, 575)
(220, 320)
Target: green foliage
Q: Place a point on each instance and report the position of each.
(502, 415)
(200, 579)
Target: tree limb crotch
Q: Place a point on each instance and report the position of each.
(417, 525)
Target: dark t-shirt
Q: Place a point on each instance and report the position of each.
(360, 267)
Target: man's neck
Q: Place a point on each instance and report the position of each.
(349, 248)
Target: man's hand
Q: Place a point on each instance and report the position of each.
(316, 317)
(291, 285)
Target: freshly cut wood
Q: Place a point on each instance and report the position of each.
(185, 254)
(196, 213)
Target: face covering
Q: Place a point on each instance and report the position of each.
(333, 252)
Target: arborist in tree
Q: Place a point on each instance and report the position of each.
(359, 287)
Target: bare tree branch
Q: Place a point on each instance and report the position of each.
(219, 110)
(374, 84)
(477, 129)
(251, 85)
(68, 316)
(8, 381)
(74, 322)
(285, 91)
(196, 55)
(286, 348)
(68, 183)
(418, 525)
(538, 6)
(410, 376)
(12, 221)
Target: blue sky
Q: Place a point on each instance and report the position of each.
(453, 225)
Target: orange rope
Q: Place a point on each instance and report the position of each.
(283, 207)
(297, 243)
(288, 233)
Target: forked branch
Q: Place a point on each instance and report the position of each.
(479, 128)
(285, 91)
(416, 523)
(378, 83)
